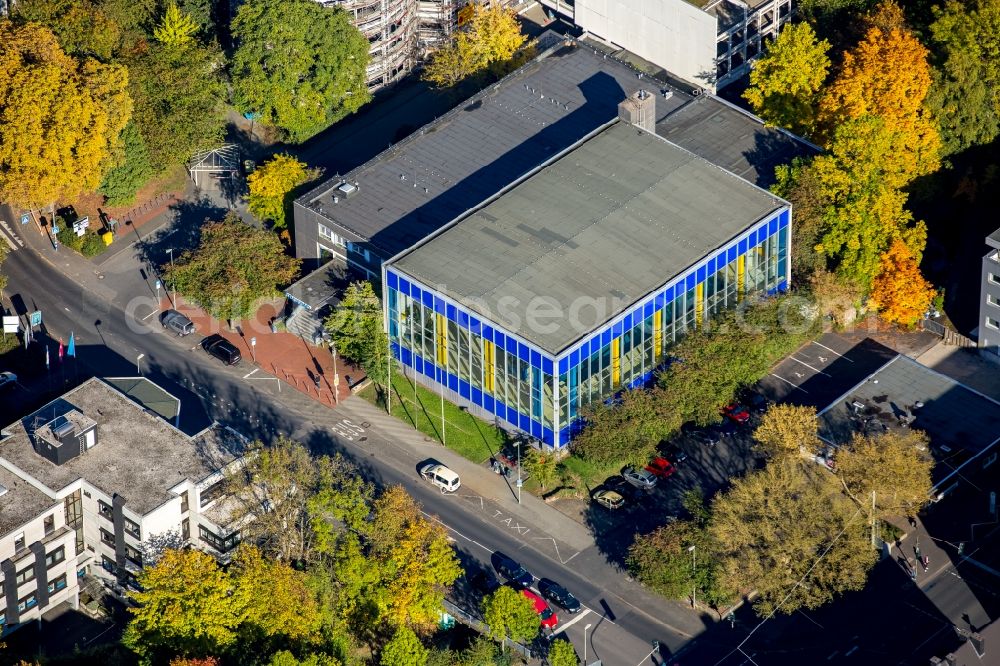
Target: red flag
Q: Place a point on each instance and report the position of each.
(61, 350)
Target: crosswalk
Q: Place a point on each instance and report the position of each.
(12, 239)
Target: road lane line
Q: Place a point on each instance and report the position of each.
(789, 383)
(809, 366)
(576, 618)
(833, 351)
(149, 315)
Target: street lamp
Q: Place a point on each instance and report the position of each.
(517, 445)
(694, 584)
(585, 643)
(138, 358)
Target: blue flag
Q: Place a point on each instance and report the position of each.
(71, 347)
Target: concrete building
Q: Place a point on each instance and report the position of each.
(989, 302)
(573, 283)
(962, 424)
(489, 141)
(709, 43)
(102, 475)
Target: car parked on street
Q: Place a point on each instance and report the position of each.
(640, 478)
(178, 323)
(559, 595)
(736, 413)
(510, 569)
(441, 476)
(7, 380)
(222, 349)
(609, 499)
(673, 452)
(545, 614)
(661, 467)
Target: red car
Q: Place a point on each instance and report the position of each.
(545, 614)
(736, 413)
(661, 467)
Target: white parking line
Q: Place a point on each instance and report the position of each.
(579, 616)
(833, 351)
(809, 366)
(789, 383)
(149, 315)
(250, 373)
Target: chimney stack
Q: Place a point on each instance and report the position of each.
(639, 108)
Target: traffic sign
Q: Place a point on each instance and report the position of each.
(36, 318)
(25, 218)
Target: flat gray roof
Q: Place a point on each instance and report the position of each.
(148, 395)
(952, 414)
(606, 223)
(490, 140)
(993, 240)
(138, 455)
(21, 502)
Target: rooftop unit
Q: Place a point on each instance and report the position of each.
(65, 437)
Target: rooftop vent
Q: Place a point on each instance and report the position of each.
(639, 108)
(347, 189)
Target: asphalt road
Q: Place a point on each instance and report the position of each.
(114, 327)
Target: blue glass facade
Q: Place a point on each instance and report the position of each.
(541, 393)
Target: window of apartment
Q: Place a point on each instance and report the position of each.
(994, 278)
(27, 602)
(132, 529)
(992, 300)
(134, 555)
(19, 542)
(212, 493)
(185, 529)
(107, 538)
(49, 523)
(55, 557)
(73, 506)
(58, 584)
(184, 502)
(217, 542)
(26, 574)
(108, 564)
(993, 323)
(327, 233)
(105, 510)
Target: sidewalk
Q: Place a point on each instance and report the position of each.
(307, 368)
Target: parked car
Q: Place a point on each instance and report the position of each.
(640, 478)
(559, 595)
(222, 349)
(609, 499)
(7, 380)
(510, 569)
(545, 614)
(708, 437)
(661, 467)
(442, 477)
(673, 452)
(758, 402)
(177, 322)
(736, 413)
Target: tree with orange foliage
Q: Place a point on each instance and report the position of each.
(194, 661)
(887, 75)
(899, 291)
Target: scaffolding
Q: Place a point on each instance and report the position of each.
(390, 27)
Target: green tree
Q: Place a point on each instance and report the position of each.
(233, 267)
(491, 35)
(964, 95)
(273, 598)
(788, 430)
(272, 186)
(405, 649)
(60, 119)
(625, 432)
(286, 658)
(299, 64)
(561, 653)
(789, 532)
(509, 614)
(176, 28)
(543, 467)
(179, 101)
(132, 169)
(895, 466)
(185, 606)
(357, 332)
(785, 82)
(82, 27)
(3, 278)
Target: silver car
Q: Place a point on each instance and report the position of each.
(640, 478)
(176, 322)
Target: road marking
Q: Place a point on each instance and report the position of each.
(149, 315)
(250, 373)
(808, 366)
(834, 351)
(789, 383)
(348, 430)
(577, 618)
(10, 236)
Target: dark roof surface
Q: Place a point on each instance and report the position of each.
(607, 223)
(458, 161)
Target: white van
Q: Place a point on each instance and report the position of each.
(441, 476)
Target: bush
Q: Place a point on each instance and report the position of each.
(92, 245)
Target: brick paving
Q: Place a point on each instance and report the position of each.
(288, 357)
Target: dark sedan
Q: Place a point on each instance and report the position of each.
(557, 594)
(222, 349)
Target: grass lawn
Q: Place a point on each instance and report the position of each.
(465, 434)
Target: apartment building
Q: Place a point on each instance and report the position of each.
(989, 301)
(98, 483)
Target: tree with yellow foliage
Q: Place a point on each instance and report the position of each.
(785, 82)
(272, 183)
(176, 28)
(887, 76)
(491, 35)
(788, 430)
(896, 466)
(60, 119)
(899, 291)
